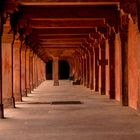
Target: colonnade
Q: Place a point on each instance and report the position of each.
(109, 63)
(21, 70)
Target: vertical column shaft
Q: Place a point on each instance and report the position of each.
(23, 71)
(102, 69)
(87, 70)
(56, 71)
(31, 69)
(27, 71)
(16, 70)
(96, 69)
(91, 71)
(1, 102)
(7, 72)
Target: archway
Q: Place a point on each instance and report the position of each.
(64, 69)
(49, 70)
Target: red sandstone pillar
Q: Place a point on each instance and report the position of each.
(35, 76)
(78, 66)
(107, 68)
(16, 70)
(124, 68)
(118, 68)
(1, 101)
(31, 69)
(55, 71)
(96, 68)
(23, 71)
(71, 68)
(42, 70)
(39, 70)
(82, 70)
(91, 84)
(102, 64)
(27, 71)
(75, 68)
(112, 64)
(124, 51)
(7, 79)
(87, 69)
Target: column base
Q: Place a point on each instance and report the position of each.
(81, 82)
(56, 83)
(18, 97)
(24, 93)
(91, 87)
(102, 91)
(138, 106)
(1, 111)
(111, 94)
(85, 84)
(34, 86)
(96, 89)
(28, 90)
(9, 102)
(88, 86)
(31, 87)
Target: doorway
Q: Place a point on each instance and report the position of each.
(64, 69)
(49, 70)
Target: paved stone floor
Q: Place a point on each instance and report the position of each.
(97, 118)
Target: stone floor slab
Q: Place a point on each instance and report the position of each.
(98, 118)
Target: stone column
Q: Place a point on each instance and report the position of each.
(107, 68)
(87, 70)
(31, 69)
(82, 71)
(36, 71)
(112, 64)
(84, 66)
(23, 71)
(39, 71)
(91, 70)
(102, 64)
(56, 71)
(7, 72)
(77, 67)
(27, 71)
(1, 101)
(124, 46)
(118, 68)
(42, 70)
(16, 70)
(96, 68)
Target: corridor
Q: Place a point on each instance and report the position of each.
(89, 117)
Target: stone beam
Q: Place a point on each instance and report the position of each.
(67, 40)
(61, 31)
(66, 22)
(62, 36)
(60, 45)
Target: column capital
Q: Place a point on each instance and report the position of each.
(23, 47)
(7, 36)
